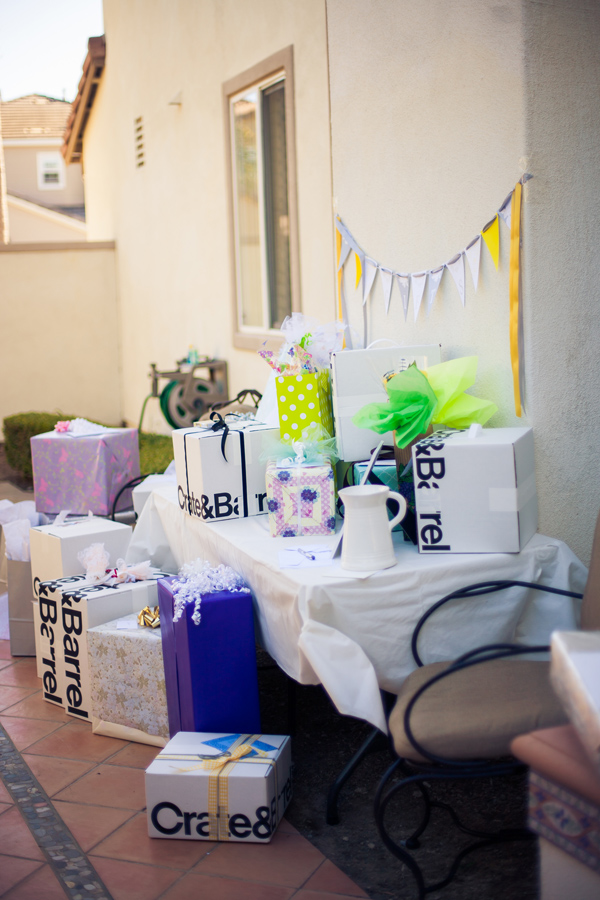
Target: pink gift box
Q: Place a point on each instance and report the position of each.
(300, 500)
(84, 473)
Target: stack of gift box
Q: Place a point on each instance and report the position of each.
(468, 489)
(170, 659)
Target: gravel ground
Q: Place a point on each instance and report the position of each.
(321, 746)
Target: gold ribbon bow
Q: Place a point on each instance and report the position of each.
(149, 618)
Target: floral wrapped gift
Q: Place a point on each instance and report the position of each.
(301, 491)
(128, 695)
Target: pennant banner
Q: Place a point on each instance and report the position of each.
(387, 280)
(417, 286)
(473, 254)
(491, 236)
(434, 282)
(456, 267)
(404, 286)
(370, 273)
(413, 284)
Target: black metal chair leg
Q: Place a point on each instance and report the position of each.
(292, 697)
(368, 746)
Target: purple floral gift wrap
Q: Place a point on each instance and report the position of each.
(300, 500)
(84, 473)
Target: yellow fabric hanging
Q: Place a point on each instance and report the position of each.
(358, 268)
(491, 236)
(514, 278)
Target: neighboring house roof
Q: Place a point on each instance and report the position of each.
(34, 116)
(93, 67)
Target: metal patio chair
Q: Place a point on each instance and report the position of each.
(456, 720)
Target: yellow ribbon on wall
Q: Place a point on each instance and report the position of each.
(340, 274)
(514, 284)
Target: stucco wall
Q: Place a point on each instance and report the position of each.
(170, 218)
(29, 223)
(59, 347)
(436, 111)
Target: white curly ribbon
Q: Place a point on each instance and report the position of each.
(198, 578)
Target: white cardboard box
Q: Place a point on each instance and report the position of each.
(213, 488)
(67, 608)
(243, 801)
(54, 550)
(357, 379)
(475, 494)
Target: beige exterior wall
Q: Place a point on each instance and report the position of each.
(29, 223)
(436, 110)
(59, 347)
(21, 176)
(170, 218)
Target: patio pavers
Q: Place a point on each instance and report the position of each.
(92, 788)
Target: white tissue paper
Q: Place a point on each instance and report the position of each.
(16, 540)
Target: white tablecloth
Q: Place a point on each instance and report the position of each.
(353, 635)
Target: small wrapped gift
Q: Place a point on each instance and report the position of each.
(84, 468)
(127, 680)
(301, 488)
(302, 380)
(207, 629)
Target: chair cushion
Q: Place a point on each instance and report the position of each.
(476, 712)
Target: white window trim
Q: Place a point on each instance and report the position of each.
(41, 159)
(269, 71)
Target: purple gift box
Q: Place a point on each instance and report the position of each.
(84, 473)
(210, 668)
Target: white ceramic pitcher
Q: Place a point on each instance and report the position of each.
(367, 543)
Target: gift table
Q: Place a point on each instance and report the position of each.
(85, 472)
(352, 634)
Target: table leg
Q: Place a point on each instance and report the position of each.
(375, 741)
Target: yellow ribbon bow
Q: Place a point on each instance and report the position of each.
(149, 618)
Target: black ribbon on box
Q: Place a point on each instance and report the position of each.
(219, 425)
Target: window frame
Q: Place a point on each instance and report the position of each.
(43, 157)
(280, 65)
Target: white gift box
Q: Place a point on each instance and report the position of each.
(127, 676)
(357, 379)
(475, 490)
(67, 608)
(54, 550)
(575, 677)
(242, 800)
(221, 479)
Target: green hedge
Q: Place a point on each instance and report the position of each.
(156, 450)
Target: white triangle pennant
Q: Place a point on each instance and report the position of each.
(386, 283)
(369, 273)
(504, 211)
(346, 248)
(473, 254)
(435, 277)
(456, 267)
(417, 283)
(404, 286)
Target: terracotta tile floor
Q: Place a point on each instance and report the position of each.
(97, 787)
